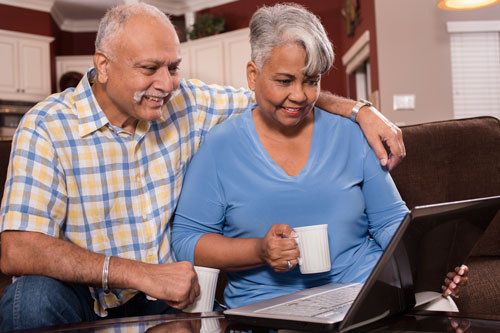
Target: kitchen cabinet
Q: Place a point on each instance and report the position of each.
(25, 66)
(217, 59)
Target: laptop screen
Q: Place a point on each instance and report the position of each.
(431, 241)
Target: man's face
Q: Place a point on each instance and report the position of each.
(141, 72)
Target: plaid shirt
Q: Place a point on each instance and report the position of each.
(74, 176)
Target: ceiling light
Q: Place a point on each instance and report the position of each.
(465, 4)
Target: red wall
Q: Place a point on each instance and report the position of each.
(41, 23)
(237, 15)
(25, 20)
(75, 43)
(366, 22)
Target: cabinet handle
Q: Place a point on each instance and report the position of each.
(22, 90)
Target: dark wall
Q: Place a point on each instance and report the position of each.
(25, 20)
(75, 43)
(366, 22)
(237, 15)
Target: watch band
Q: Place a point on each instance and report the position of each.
(361, 103)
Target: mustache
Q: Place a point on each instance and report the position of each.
(138, 95)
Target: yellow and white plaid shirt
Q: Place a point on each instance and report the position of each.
(74, 176)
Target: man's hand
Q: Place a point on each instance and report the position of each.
(176, 283)
(379, 130)
(33, 253)
(278, 248)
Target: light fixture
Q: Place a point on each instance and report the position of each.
(466, 4)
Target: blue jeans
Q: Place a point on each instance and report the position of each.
(34, 301)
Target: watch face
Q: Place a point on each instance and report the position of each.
(365, 102)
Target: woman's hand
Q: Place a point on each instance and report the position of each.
(454, 281)
(278, 248)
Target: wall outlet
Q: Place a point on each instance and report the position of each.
(403, 102)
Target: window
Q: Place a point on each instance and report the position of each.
(475, 62)
(357, 62)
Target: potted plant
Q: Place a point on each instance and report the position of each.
(206, 25)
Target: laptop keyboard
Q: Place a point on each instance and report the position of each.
(323, 304)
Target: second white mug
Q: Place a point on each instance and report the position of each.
(207, 278)
(314, 249)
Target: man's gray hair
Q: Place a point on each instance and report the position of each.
(290, 23)
(116, 17)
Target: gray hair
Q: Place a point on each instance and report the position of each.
(116, 17)
(290, 23)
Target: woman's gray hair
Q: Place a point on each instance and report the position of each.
(290, 23)
(116, 17)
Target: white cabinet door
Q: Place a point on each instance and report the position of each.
(237, 55)
(185, 66)
(34, 70)
(219, 59)
(24, 66)
(9, 78)
(207, 61)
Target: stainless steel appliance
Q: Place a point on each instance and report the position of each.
(11, 113)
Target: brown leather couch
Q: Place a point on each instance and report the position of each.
(457, 160)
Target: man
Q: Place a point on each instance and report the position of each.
(95, 175)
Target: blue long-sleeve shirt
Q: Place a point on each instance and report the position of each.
(233, 187)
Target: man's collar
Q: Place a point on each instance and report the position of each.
(90, 115)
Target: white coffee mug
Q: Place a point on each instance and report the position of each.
(210, 325)
(314, 249)
(207, 278)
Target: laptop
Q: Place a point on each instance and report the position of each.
(431, 241)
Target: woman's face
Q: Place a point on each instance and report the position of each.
(284, 94)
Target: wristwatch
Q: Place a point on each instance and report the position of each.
(361, 103)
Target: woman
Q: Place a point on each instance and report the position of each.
(284, 164)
